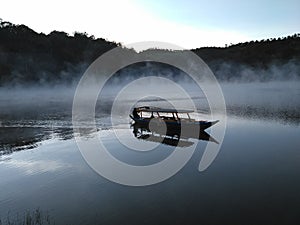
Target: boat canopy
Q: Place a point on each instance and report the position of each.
(161, 110)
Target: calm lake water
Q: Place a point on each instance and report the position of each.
(253, 180)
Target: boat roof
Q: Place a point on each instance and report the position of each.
(162, 110)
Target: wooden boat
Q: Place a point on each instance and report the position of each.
(143, 115)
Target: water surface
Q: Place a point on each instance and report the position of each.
(253, 180)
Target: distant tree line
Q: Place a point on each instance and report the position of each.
(268, 55)
(28, 57)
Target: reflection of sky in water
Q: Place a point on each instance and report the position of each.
(255, 176)
(37, 166)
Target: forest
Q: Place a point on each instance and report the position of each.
(28, 57)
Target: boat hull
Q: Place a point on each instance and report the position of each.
(175, 125)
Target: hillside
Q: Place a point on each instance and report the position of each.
(263, 60)
(28, 57)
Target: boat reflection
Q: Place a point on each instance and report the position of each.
(170, 137)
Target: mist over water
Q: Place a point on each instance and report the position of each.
(277, 100)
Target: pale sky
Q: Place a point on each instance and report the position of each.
(188, 24)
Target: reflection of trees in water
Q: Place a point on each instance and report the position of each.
(21, 138)
(63, 133)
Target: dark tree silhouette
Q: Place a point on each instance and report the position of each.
(30, 57)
